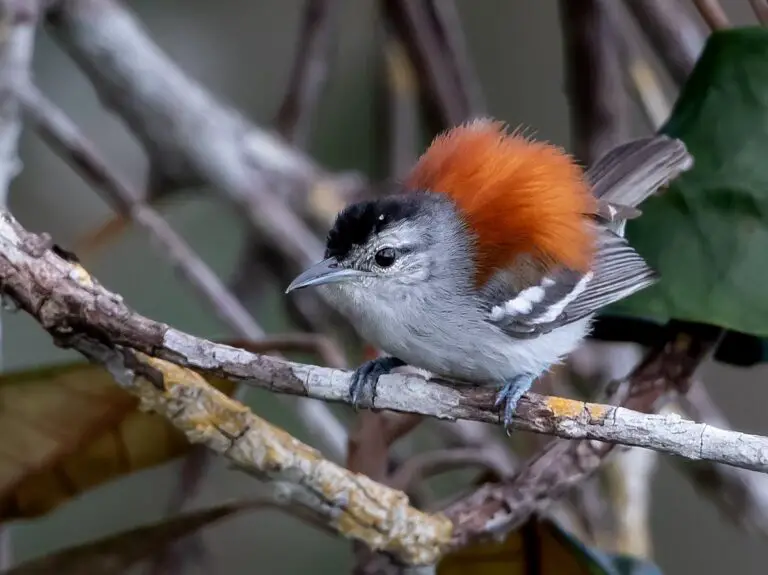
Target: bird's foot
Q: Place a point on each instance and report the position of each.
(367, 375)
(510, 394)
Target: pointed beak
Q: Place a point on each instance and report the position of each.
(324, 272)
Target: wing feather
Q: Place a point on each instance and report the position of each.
(621, 180)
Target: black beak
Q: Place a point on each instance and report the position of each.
(324, 272)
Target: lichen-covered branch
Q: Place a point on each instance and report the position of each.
(349, 503)
(53, 290)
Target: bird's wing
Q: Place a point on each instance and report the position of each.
(620, 180)
(629, 173)
(565, 296)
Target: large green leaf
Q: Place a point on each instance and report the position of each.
(708, 233)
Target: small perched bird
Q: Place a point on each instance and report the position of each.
(488, 265)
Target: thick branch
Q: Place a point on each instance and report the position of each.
(66, 302)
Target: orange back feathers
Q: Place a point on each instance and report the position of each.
(518, 196)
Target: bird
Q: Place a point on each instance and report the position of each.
(487, 262)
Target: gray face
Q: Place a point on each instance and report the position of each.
(399, 254)
(396, 261)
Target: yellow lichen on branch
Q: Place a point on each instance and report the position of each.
(351, 503)
(571, 408)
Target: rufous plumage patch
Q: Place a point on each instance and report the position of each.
(519, 196)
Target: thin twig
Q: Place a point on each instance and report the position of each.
(417, 28)
(309, 72)
(596, 92)
(449, 27)
(673, 33)
(713, 14)
(309, 75)
(402, 105)
(425, 465)
(180, 124)
(760, 8)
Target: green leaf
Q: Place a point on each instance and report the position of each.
(707, 234)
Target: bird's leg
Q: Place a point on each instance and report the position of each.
(510, 394)
(368, 375)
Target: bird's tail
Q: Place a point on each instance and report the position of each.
(628, 174)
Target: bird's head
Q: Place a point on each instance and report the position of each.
(390, 245)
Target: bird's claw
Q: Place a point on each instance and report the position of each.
(510, 395)
(367, 375)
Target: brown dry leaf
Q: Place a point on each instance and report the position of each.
(539, 547)
(117, 553)
(69, 428)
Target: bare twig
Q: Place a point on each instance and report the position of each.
(425, 465)
(294, 120)
(673, 33)
(596, 92)
(449, 27)
(629, 475)
(713, 14)
(18, 22)
(417, 28)
(402, 106)
(760, 8)
(309, 72)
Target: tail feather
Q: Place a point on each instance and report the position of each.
(628, 174)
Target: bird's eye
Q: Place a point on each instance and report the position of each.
(385, 257)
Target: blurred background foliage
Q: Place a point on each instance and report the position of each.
(242, 51)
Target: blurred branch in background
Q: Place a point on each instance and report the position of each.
(760, 8)
(672, 32)
(594, 78)
(713, 14)
(18, 23)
